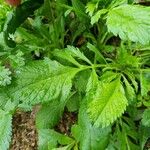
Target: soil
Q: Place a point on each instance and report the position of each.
(24, 132)
(68, 119)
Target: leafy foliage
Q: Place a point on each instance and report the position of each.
(109, 102)
(89, 58)
(52, 139)
(44, 81)
(5, 129)
(18, 17)
(89, 136)
(5, 78)
(133, 26)
(146, 119)
(6, 125)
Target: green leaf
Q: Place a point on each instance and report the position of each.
(81, 80)
(4, 97)
(146, 118)
(5, 129)
(43, 81)
(70, 53)
(49, 139)
(46, 139)
(129, 90)
(90, 8)
(20, 14)
(108, 104)
(68, 147)
(125, 135)
(126, 59)
(48, 116)
(98, 15)
(134, 25)
(5, 77)
(144, 135)
(88, 136)
(99, 56)
(17, 60)
(79, 9)
(73, 102)
(145, 82)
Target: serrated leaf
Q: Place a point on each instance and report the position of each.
(5, 129)
(146, 118)
(43, 81)
(88, 136)
(108, 104)
(134, 25)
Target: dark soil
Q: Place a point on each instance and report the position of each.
(65, 124)
(24, 132)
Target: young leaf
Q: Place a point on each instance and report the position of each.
(130, 23)
(43, 81)
(108, 104)
(5, 129)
